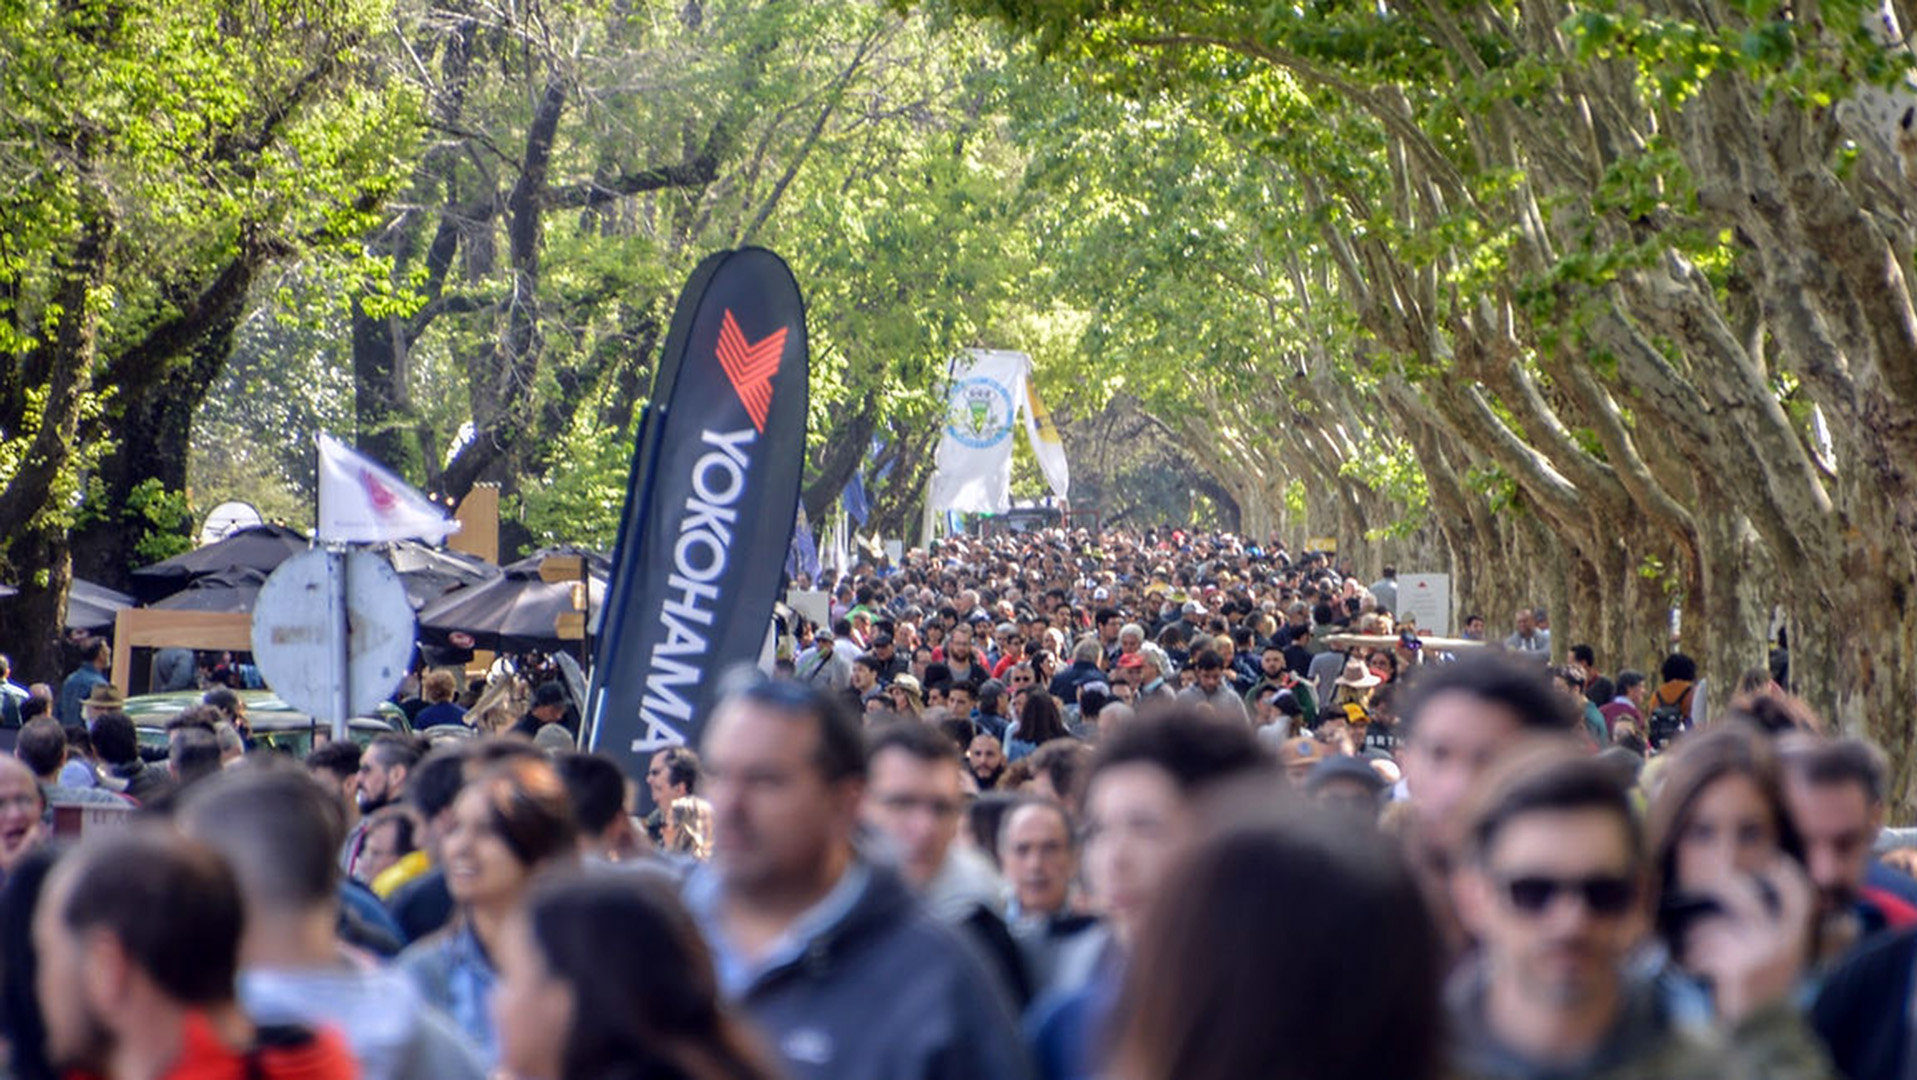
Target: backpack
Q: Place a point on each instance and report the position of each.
(1667, 720)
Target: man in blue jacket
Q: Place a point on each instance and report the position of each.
(95, 657)
(829, 953)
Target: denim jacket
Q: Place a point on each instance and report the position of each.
(454, 974)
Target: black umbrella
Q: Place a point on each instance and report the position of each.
(430, 573)
(94, 608)
(514, 612)
(260, 548)
(231, 592)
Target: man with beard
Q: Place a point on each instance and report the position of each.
(986, 758)
(1278, 674)
(1555, 889)
(963, 661)
(137, 939)
(383, 771)
(1835, 790)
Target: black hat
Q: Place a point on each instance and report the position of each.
(549, 693)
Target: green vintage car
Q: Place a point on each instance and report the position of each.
(276, 725)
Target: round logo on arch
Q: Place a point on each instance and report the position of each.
(980, 413)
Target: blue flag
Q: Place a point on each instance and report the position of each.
(853, 499)
(802, 555)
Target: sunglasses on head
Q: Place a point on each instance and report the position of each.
(1532, 894)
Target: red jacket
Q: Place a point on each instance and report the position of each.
(279, 1053)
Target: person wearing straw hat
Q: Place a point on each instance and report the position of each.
(908, 699)
(1351, 696)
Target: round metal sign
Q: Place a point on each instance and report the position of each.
(296, 633)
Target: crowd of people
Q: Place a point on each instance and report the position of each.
(1052, 805)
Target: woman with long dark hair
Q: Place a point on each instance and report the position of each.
(606, 978)
(1234, 975)
(1718, 821)
(1040, 720)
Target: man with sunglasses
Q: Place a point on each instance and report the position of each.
(1554, 888)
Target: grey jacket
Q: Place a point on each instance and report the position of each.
(881, 992)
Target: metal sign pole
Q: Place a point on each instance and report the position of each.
(336, 618)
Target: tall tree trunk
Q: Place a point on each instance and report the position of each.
(154, 429)
(36, 556)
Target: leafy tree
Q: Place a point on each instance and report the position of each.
(1606, 263)
(155, 158)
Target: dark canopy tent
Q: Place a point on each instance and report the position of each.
(430, 573)
(260, 548)
(514, 612)
(231, 592)
(93, 608)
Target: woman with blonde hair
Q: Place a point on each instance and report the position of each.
(499, 707)
(908, 700)
(688, 828)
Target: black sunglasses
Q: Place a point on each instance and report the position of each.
(1602, 895)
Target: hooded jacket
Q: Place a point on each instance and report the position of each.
(882, 991)
(144, 783)
(393, 1033)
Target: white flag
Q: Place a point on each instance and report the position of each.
(975, 455)
(1046, 445)
(360, 501)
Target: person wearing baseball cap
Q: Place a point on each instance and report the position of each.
(550, 705)
(890, 664)
(1152, 667)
